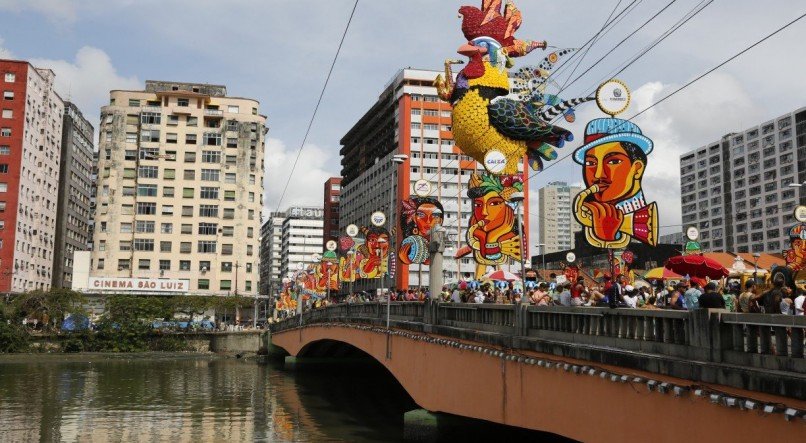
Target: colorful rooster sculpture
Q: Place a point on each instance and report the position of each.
(485, 116)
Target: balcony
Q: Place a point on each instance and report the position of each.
(218, 113)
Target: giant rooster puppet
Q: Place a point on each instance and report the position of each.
(485, 117)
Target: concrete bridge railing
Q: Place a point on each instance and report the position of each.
(705, 345)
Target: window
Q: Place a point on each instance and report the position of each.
(226, 266)
(166, 228)
(184, 265)
(227, 231)
(226, 249)
(249, 249)
(188, 192)
(208, 192)
(167, 210)
(10, 77)
(143, 244)
(207, 246)
(169, 174)
(144, 264)
(250, 232)
(129, 155)
(186, 228)
(189, 174)
(251, 214)
(211, 157)
(249, 267)
(147, 190)
(173, 120)
(248, 285)
(124, 264)
(144, 226)
(204, 266)
(204, 284)
(232, 142)
(210, 175)
(125, 228)
(146, 208)
(230, 177)
(171, 137)
(208, 228)
(167, 191)
(190, 157)
(165, 265)
(149, 153)
(229, 196)
(5, 150)
(252, 197)
(190, 139)
(229, 213)
(125, 245)
(187, 211)
(185, 247)
(3, 169)
(165, 246)
(232, 109)
(8, 113)
(183, 102)
(232, 160)
(5, 132)
(212, 139)
(148, 171)
(208, 210)
(226, 285)
(251, 179)
(8, 95)
(152, 135)
(101, 263)
(102, 245)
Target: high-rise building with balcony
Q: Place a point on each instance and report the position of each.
(180, 189)
(30, 140)
(271, 243)
(557, 225)
(737, 190)
(301, 239)
(331, 209)
(410, 119)
(75, 187)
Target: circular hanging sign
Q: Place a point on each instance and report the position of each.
(800, 213)
(352, 230)
(495, 162)
(378, 218)
(422, 188)
(628, 257)
(316, 257)
(692, 233)
(570, 257)
(300, 266)
(613, 97)
(331, 245)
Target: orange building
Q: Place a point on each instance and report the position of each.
(409, 119)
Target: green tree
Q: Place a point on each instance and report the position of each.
(49, 307)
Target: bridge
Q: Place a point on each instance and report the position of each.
(589, 374)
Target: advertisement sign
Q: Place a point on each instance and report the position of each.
(137, 284)
(613, 97)
(495, 161)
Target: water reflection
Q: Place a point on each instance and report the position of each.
(94, 398)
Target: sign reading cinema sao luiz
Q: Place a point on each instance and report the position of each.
(137, 284)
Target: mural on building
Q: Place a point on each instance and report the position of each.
(418, 216)
(492, 236)
(493, 127)
(348, 262)
(795, 256)
(373, 254)
(613, 209)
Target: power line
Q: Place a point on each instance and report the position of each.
(316, 108)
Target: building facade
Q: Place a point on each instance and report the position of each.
(75, 187)
(302, 233)
(737, 190)
(180, 188)
(331, 209)
(410, 119)
(557, 225)
(30, 140)
(271, 243)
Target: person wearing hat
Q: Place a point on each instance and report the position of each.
(613, 208)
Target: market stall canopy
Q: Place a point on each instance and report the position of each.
(697, 266)
(662, 274)
(501, 275)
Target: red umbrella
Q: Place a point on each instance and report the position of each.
(697, 266)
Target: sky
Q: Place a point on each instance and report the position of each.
(279, 52)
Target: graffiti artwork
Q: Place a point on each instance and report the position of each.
(373, 254)
(492, 235)
(491, 126)
(613, 208)
(418, 216)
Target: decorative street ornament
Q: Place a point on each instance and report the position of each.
(331, 245)
(373, 254)
(570, 257)
(486, 117)
(800, 213)
(613, 209)
(378, 218)
(692, 233)
(422, 188)
(795, 256)
(613, 97)
(418, 216)
(351, 230)
(493, 235)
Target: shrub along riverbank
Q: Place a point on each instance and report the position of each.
(126, 326)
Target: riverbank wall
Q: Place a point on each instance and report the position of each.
(242, 342)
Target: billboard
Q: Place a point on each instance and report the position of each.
(125, 284)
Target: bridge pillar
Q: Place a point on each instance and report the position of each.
(421, 425)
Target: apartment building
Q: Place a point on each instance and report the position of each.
(331, 210)
(179, 191)
(271, 242)
(557, 225)
(30, 140)
(741, 190)
(301, 238)
(408, 118)
(75, 187)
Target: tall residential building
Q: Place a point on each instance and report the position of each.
(271, 243)
(93, 195)
(30, 140)
(331, 209)
(75, 187)
(557, 224)
(409, 119)
(301, 238)
(179, 193)
(737, 191)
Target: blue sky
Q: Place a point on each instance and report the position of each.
(278, 51)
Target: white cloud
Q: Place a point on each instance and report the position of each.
(87, 80)
(57, 11)
(314, 167)
(4, 52)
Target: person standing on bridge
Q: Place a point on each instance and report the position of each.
(692, 296)
(711, 299)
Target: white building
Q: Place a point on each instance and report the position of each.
(302, 232)
(557, 224)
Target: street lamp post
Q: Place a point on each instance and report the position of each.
(518, 198)
(397, 160)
